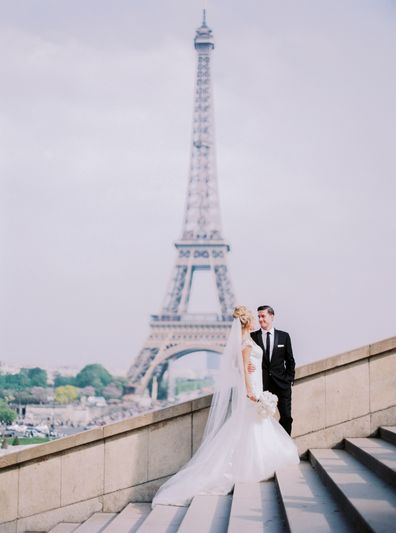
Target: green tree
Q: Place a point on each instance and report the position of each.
(22, 379)
(60, 380)
(15, 381)
(7, 415)
(94, 375)
(37, 376)
(66, 394)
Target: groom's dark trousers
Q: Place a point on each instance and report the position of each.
(278, 373)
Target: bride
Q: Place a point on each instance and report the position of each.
(239, 442)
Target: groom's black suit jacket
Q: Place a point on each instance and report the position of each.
(280, 369)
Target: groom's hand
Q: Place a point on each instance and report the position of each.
(251, 368)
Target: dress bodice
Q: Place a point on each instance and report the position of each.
(256, 352)
(256, 356)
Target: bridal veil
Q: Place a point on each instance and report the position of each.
(208, 471)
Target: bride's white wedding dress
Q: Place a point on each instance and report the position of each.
(239, 445)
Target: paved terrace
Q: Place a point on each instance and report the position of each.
(103, 469)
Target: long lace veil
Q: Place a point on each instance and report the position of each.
(229, 388)
(226, 411)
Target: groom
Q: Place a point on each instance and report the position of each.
(278, 363)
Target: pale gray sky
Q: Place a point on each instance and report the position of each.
(95, 122)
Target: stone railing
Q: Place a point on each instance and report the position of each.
(348, 395)
(103, 469)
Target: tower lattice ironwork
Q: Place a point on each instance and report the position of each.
(174, 331)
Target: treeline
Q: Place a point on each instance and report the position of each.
(95, 376)
(25, 379)
(30, 385)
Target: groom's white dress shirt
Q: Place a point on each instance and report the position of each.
(272, 338)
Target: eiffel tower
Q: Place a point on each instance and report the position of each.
(174, 331)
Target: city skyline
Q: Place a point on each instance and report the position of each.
(98, 100)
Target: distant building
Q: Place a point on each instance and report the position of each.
(97, 401)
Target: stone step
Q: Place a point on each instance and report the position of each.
(95, 523)
(388, 433)
(129, 519)
(307, 503)
(64, 527)
(367, 500)
(163, 519)
(207, 514)
(255, 508)
(376, 454)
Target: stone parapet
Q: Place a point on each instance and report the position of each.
(350, 394)
(102, 469)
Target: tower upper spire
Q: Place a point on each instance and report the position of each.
(203, 35)
(202, 212)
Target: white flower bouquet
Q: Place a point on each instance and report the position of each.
(266, 404)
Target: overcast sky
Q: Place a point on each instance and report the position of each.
(95, 130)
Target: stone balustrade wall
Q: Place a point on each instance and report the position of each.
(348, 395)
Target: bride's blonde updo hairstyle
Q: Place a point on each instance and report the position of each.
(244, 314)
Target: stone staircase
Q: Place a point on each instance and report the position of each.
(341, 490)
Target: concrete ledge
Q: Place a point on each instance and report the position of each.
(42, 450)
(100, 433)
(383, 346)
(345, 358)
(147, 419)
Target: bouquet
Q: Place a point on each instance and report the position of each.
(266, 404)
